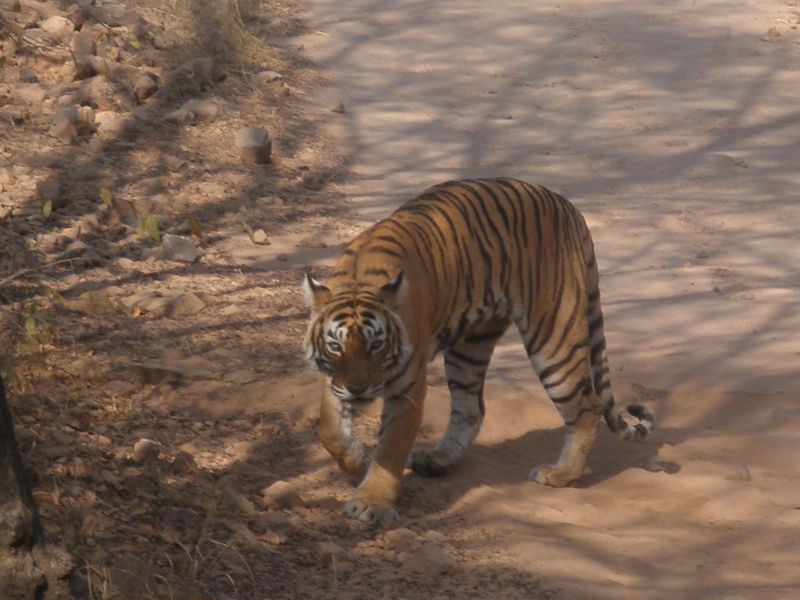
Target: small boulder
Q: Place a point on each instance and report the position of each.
(265, 77)
(180, 116)
(28, 75)
(145, 450)
(260, 238)
(400, 540)
(82, 43)
(282, 494)
(48, 190)
(254, 145)
(58, 26)
(429, 560)
(203, 110)
(178, 248)
(30, 92)
(144, 86)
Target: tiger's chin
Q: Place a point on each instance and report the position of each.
(360, 400)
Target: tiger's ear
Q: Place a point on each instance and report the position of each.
(317, 294)
(391, 292)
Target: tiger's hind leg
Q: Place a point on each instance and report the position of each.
(566, 375)
(466, 363)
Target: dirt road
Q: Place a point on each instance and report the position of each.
(673, 126)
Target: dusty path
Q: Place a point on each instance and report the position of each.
(674, 127)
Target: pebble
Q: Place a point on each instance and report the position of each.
(267, 77)
(28, 75)
(82, 43)
(71, 122)
(260, 238)
(254, 145)
(30, 92)
(400, 540)
(159, 371)
(203, 110)
(47, 189)
(282, 494)
(180, 116)
(178, 248)
(429, 560)
(329, 553)
(60, 27)
(145, 450)
(144, 86)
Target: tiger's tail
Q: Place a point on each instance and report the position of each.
(601, 377)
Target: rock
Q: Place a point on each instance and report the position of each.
(184, 304)
(254, 144)
(58, 26)
(30, 92)
(112, 124)
(47, 189)
(312, 180)
(329, 553)
(179, 248)
(429, 559)
(183, 463)
(107, 95)
(400, 540)
(82, 43)
(75, 249)
(195, 76)
(203, 110)
(260, 238)
(144, 86)
(282, 494)
(71, 122)
(161, 371)
(237, 502)
(180, 116)
(271, 520)
(436, 537)
(93, 302)
(28, 75)
(339, 108)
(145, 450)
(77, 15)
(264, 77)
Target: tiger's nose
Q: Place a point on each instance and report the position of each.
(357, 388)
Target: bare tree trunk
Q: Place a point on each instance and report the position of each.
(28, 569)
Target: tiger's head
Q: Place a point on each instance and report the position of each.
(355, 337)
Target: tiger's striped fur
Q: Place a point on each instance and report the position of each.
(448, 272)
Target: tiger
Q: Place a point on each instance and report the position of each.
(448, 272)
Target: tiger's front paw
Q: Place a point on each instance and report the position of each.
(555, 476)
(375, 515)
(425, 464)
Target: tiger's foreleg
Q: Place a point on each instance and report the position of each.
(335, 433)
(374, 500)
(572, 461)
(465, 366)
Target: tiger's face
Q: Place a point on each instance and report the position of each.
(355, 339)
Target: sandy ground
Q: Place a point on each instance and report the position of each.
(673, 127)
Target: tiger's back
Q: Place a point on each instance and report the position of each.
(467, 259)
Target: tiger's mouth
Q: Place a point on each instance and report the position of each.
(360, 400)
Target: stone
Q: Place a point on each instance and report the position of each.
(47, 189)
(195, 76)
(58, 26)
(145, 450)
(329, 553)
(254, 145)
(82, 43)
(400, 540)
(112, 124)
(184, 304)
(71, 122)
(203, 110)
(180, 116)
(144, 86)
(264, 77)
(179, 248)
(436, 537)
(30, 92)
(429, 560)
(282, 494)
(260, 238)
(75, 249)
(155, 372)
(271, 520)
(28, 75)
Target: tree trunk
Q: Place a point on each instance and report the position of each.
(28, 569)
